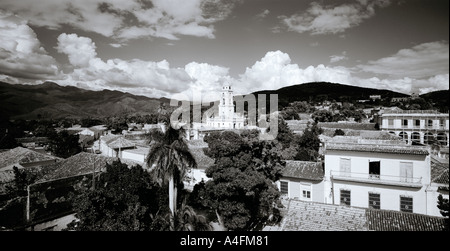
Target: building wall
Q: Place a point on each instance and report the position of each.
(194, 176)
(439, 126)
(387, 186)
(127, 154)
(295, 189)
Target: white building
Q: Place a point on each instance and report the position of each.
(227, 118)
(381, 175)
(417, 126)
(302, 180)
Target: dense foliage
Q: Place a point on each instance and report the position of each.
(242, 191)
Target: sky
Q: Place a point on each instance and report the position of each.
(161, 48)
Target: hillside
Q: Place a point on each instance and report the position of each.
(318, 90)
(438, 98)
(51, 100)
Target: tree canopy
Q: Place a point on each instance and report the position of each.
(124, 199)
(242, 191)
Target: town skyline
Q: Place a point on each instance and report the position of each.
(161, 48)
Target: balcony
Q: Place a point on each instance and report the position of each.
(390, 180)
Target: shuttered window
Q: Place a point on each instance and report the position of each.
(374, 200)
(406, 204)
(284, 187)
(345, 197)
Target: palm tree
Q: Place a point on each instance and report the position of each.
(186, 219)
(169, 159)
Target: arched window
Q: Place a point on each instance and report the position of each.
(415, 137)
(428, 138)
(442, 138)
(404, 136)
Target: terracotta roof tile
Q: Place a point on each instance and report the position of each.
(303, 170)
(379, 148)
(313, 216)
(439, 172)
(386, 220)
(21, 155)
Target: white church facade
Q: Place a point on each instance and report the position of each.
(226, 117)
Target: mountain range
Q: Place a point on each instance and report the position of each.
(50, 100)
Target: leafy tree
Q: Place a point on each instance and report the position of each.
(322, 116)
(309, 143)
(285, 134)
(171, 159)
(338, 132)
(241, 192)
(22, 178)
(289, 113)
(125, 199)
(64, 144)
(88, 122)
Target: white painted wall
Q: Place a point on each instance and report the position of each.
(295, 191)
(389, 165)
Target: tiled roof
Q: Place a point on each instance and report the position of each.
(379, 148)
(21, 155)
(385, 220)
(313, 216)
(303, 170)
(439, 172)
(117, 141)
(81, 163)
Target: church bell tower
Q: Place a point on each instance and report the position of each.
(226, 107)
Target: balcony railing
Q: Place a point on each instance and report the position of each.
(377, 179)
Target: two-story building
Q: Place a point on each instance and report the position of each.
(417, 126)
(380, 174)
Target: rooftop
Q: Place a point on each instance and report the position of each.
(439, 172)
(303, 170)
(313, 216)
(21, 155)
(81, 163)
(117, 141)
(378, 148)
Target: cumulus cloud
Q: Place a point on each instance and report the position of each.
(337, 58)
(137, 75)
(21, 53)
(421, 61)
(318, 19)
(80, 50)
(275, 71)
(263, 14)
(113, 18)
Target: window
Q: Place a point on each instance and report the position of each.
(345, 197)
(405, 123)
(406, 204)
(284, 187)
(374, 169)
(417, 122)
(430, 123)
(442, 122)
(415, 137)
(374, 200)
(305, 190)
(406, 171)
(345, 167)
(390, 122)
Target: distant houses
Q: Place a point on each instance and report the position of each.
(417, 126)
